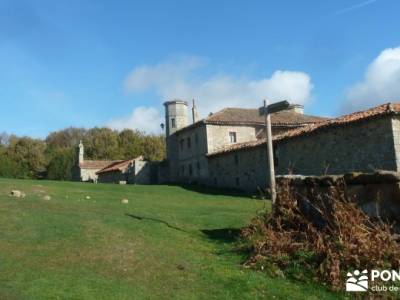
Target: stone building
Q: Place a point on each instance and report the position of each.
(133, 171)
(363, 142)
(188, 145)
(85, 170)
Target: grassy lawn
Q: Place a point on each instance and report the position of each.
(168, 242)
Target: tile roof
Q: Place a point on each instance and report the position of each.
(247, 116)
(381, 110)
(118, 165)
(252, 116)
(95, 164)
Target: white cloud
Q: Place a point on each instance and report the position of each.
(381, 83)
(354, 7)
(146, 119)
(180, 79)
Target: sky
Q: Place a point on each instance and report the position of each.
(113, 63)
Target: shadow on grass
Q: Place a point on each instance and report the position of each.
(155, 220)
(224, 235)
(213, 191)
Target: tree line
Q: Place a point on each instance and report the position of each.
(54, 157)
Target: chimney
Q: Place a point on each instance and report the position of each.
(195, 115)
(80, 153)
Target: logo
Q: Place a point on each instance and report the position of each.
(357, 281)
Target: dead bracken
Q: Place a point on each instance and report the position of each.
(320, 239)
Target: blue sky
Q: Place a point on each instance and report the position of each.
(95, 63)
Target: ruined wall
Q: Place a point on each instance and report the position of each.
(244, 170)
(363, 146)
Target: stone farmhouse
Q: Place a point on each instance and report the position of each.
(135, 170)
(86, 170)
(228, 149)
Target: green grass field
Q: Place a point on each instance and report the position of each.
(168, 242)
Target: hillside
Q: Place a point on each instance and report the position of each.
(168, 242)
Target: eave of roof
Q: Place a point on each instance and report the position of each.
(95, 164)
(118, 165)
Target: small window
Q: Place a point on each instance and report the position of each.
(215, 181)
(198, 166)
(236, 158)
(189, 142)
(181, 142)
(190, 170)
(173, 123)
(232, 137)
(196, 138)
(237, 181)
(276, 158)
(183, 170)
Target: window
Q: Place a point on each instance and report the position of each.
(198, 166)
(236, 158)
(196, 138)
(276, 158)
(190, 170)
(237, 181)
(215, 181)
(232, 137)
(173, 123)
(189, 142)
(181, 142)
(182, 170)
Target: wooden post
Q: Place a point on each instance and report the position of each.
(270, 153)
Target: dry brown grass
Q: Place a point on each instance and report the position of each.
(335, 234)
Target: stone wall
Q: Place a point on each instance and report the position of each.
(218, 135)
(88, 174)
(112, 177)
(191, 157)
(142, 172)
(396, 138)
(377, 194)
(363, 146)
(244, 170)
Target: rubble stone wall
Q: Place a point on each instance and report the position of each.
(377, 194)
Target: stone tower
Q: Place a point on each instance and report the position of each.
(176, 116)
(80, 153)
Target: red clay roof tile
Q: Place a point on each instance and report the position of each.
(118, 165)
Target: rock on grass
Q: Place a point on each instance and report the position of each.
(17, 194)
